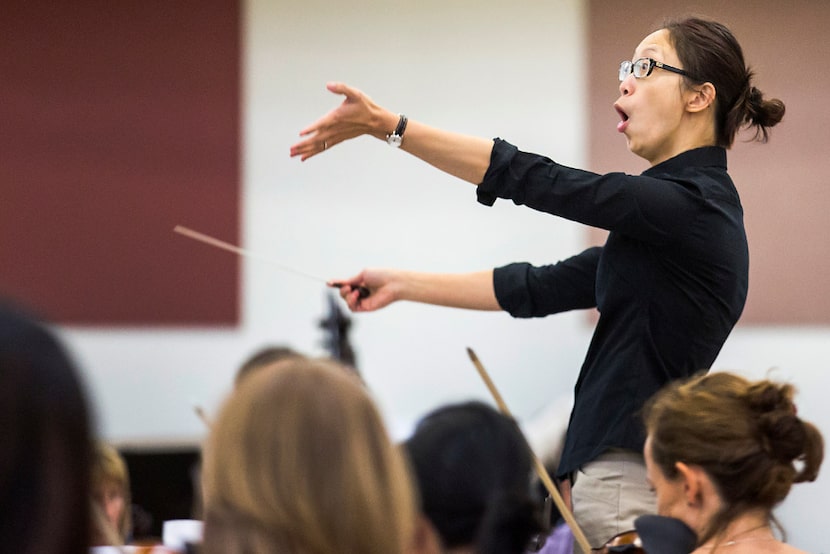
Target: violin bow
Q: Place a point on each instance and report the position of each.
(200, 413)
(579, 535)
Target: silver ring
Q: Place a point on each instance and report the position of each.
(325, 145)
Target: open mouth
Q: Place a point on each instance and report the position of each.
(623, 124)
(623, 115)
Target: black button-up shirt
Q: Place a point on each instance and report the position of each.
(669, 283)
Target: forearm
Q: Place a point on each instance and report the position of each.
(472, 291)
(463, 156)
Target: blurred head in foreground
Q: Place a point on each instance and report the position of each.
(45, 442)
(473, 469)
(299, 460)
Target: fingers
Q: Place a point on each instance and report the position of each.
(322, 135)
(337, 88)
(314, 144)
(347, 286)
(306, 152)
(342, 123)
(354, 280)
(342, 88)
(355, 301)
(315, 127)
(352, 295)
(318, 141)
(320, 125)
(355, 292)
(311, 147)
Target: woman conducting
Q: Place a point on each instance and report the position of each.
(670, 281)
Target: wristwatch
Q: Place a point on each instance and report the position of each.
(396, 138)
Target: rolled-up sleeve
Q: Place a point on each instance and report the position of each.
(524, 290)
(500, 158)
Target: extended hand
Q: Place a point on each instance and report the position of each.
(357, 115)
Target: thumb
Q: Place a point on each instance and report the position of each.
(337, 88)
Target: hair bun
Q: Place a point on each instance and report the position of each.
(753, 100)
(766, 396)
(782, 432)
(754, 96)
(759, 111)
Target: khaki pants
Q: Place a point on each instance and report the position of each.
(609, 493)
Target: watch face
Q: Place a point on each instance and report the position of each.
(394, 140)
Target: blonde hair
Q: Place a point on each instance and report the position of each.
(299, 461)
(108, 466)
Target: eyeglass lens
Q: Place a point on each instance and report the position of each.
(625, 69)
(641, 68)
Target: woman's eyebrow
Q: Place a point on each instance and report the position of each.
(652, 50)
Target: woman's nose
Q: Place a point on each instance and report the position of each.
(627, 85)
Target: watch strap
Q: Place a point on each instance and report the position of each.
(395, 138)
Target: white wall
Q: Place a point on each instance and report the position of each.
(463, 65)
(480, 67)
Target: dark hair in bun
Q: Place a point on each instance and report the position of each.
(710, 52)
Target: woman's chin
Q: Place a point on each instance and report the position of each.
(634, 147)
(641, 151)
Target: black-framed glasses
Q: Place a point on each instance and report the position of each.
(643, 67)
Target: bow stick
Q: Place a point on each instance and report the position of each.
(579, 535)
(200, 413)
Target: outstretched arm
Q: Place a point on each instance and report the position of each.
(462, 156)
(468, 290)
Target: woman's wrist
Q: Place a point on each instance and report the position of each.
(403, 285)
(384, 123)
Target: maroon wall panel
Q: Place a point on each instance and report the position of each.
(119, 120)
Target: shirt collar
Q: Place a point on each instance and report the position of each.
(697, 157)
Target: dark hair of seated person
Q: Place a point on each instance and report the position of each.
(264, 357)
(473, 469)
(45, 442)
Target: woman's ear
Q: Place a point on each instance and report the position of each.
(701, 97)
(692, 483)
